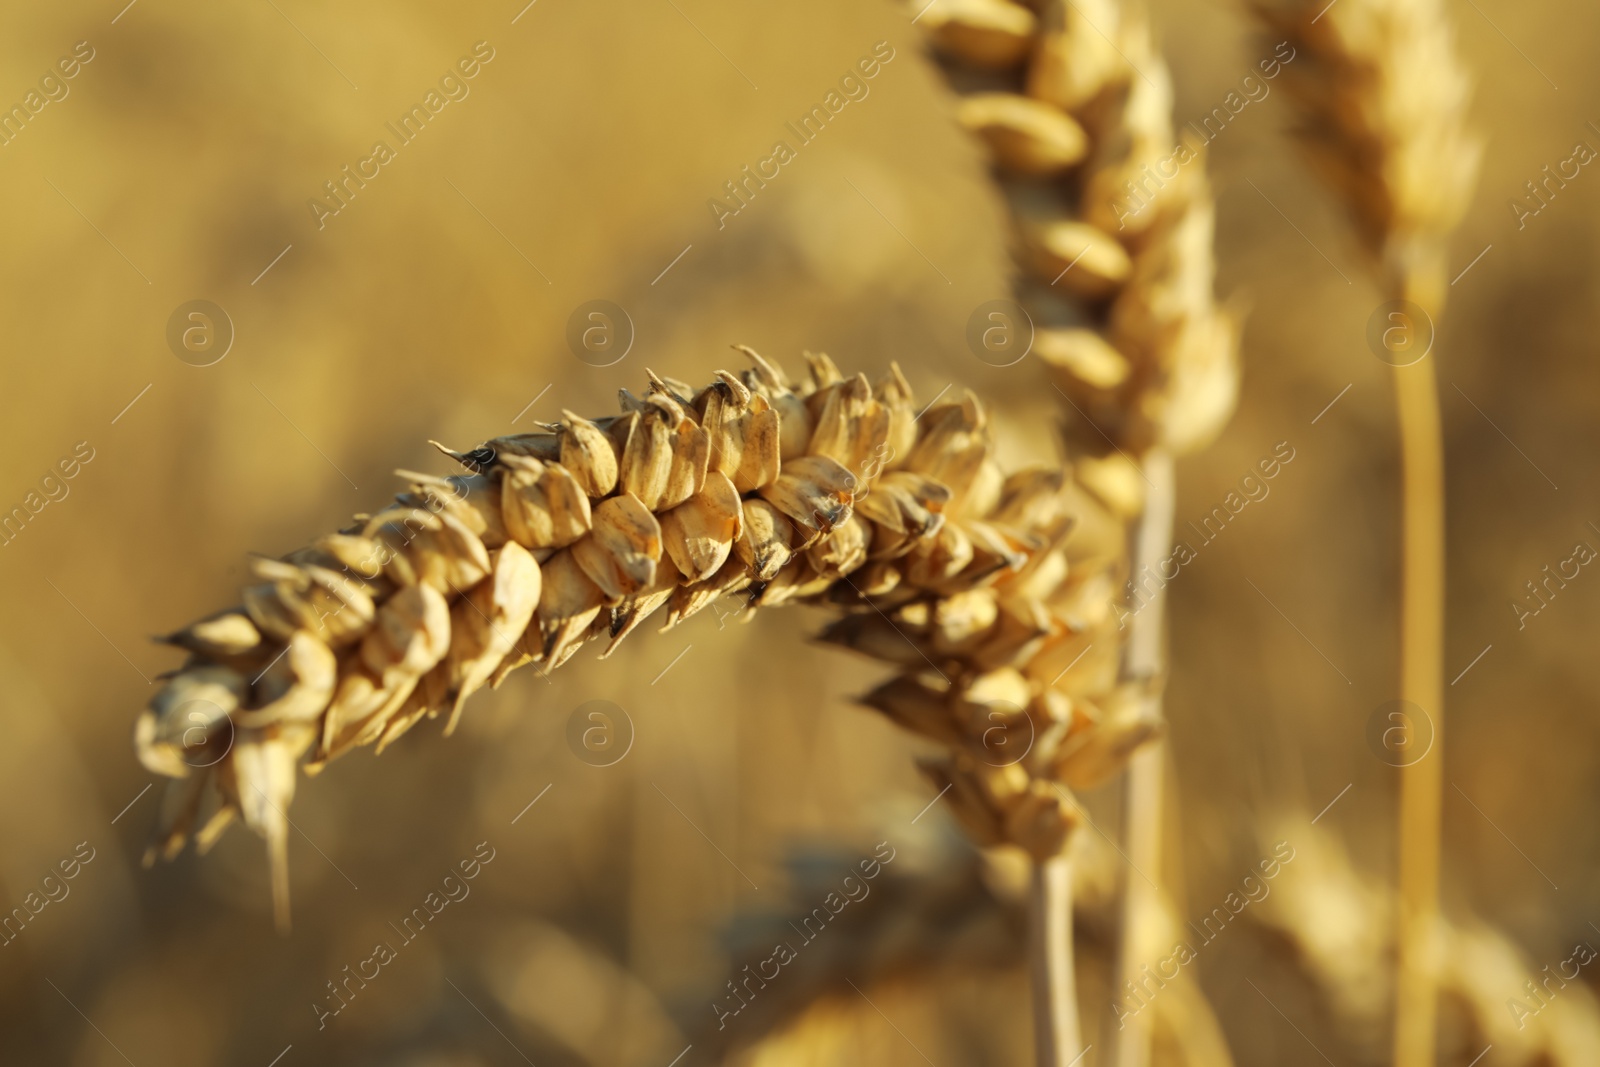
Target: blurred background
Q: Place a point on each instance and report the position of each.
(176, 165)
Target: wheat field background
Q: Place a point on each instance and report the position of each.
(576, 165)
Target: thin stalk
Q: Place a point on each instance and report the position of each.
(1144, 663)
(1130, 1045)
(1421, 683)
(1058, 1040)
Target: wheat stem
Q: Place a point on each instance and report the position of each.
(1421, 684)
(1150, 544)
(1143, 664)
(1385, 103)
(1058, 1041)
(1141, 834)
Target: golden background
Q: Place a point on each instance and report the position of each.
(435, 305)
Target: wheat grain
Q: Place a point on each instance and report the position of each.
(1383, 103)
(834, 493)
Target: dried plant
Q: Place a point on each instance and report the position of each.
(1383, 103)
(946, 923)
(1114, 223)
(973, 583)
(1338, 925)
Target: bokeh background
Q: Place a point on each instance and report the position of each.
(435, 305)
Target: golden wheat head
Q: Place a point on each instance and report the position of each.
(834, 492)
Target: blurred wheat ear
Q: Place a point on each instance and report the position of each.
(1383, 101)
(1074, 108)
(1339, 929)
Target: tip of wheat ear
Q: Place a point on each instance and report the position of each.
(1383, 101)
(1073, 89)
(834, 492)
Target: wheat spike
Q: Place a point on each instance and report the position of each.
(833, 492)
(1338, 924)
(1116, 246)
(1383, 114)
(1383, 104)
(1114, 222)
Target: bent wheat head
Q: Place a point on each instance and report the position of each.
(835, 493)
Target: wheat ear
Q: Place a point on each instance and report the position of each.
(832, 492)
(1338, 926)
(1074, 107)
(1383, 101)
